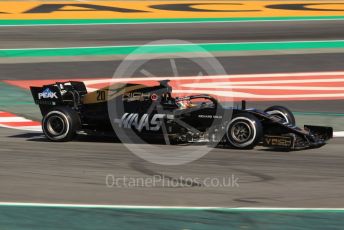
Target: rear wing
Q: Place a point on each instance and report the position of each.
(46, 95)
(60, 93)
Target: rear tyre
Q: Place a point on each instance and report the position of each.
(282, 114)
(244, 131)
(60, 124)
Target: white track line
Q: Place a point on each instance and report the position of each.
(177, 44)
(17, 122)
(234, 76)
(231, 94)
(222, 85)
(58, 205)
(190, 22)
(13, 119)
(25, 128)
(338, 134)
(263, 82)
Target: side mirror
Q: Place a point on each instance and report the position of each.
(243, 104)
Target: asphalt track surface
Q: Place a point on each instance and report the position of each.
(105, 35)
(162, 67)
(34, 170)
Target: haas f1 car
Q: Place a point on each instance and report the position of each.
(152, 112)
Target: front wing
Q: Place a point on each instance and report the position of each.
(310, 137)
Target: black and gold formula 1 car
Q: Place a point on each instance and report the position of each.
(151, 112)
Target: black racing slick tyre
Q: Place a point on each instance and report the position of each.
(60, 124)
(282, 114)
(244, 131)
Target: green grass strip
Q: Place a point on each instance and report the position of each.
(36, 22)
(42, 218)
(170, 48)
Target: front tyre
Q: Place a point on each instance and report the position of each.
(60, 124)
(281, 114)
(244, 131)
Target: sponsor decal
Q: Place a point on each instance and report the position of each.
(47, 94)
(172, 9)
(101, 95)
(132, 120)
(137, 96)
(154, 97)
(279, 141)
(210, 116)
(39, 102)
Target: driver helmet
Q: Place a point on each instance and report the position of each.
(184, 104)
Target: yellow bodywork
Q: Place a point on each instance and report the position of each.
(110, 92)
